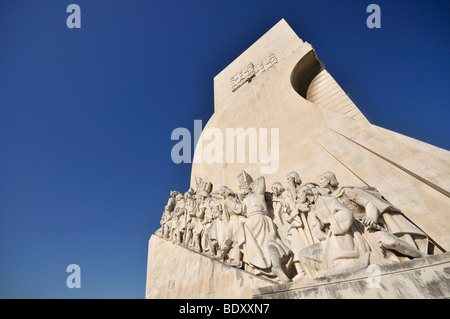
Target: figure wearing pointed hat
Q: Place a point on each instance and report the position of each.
(202, 185)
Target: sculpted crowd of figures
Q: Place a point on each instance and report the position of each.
(303, 230)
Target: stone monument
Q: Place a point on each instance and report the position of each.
(334, 207)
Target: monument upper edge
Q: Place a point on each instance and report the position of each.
(276, 44)
(281, 37)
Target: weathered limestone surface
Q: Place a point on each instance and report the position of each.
(175, 272)
(423, 278)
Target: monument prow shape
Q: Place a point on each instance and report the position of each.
(280, 83)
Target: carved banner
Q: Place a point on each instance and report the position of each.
(250, 71)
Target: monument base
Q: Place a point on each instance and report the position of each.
(175, 272)
(422, 278)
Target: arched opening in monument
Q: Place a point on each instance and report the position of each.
(305, 71)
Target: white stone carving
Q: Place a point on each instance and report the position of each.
(250, 71)
(314, 230)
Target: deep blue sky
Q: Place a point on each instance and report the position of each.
(86, 115)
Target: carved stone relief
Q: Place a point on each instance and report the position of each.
(303, 230)
(250, 71)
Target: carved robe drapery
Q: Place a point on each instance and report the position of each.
(343, 248)
(259, 230)
(390, 216)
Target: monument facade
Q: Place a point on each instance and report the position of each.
(340, 198)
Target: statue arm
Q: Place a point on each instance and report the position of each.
(359, 197)
(259, 185)
(341, 219)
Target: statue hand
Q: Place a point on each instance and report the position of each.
(368, 222)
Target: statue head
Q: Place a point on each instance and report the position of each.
(277, 189)
(174, 193)
(328, 178)
(305, 194)
(244, 179)
(225, 192)
(294, 178)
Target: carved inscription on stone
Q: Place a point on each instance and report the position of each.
(245, 75)
(250, 71)
(266, 64)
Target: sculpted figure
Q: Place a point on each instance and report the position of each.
(289, 197)
(190, 205)
(206, 204)
(231, 245)
(215, 234)
(263, 249)
(385, 223)
(178, 219)
(171, 202)
(202, 185)
(279, 205)
(342, 247)
(166, 224)
(197, 227)
(294, 181)
(296, 210)
(289, 225)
